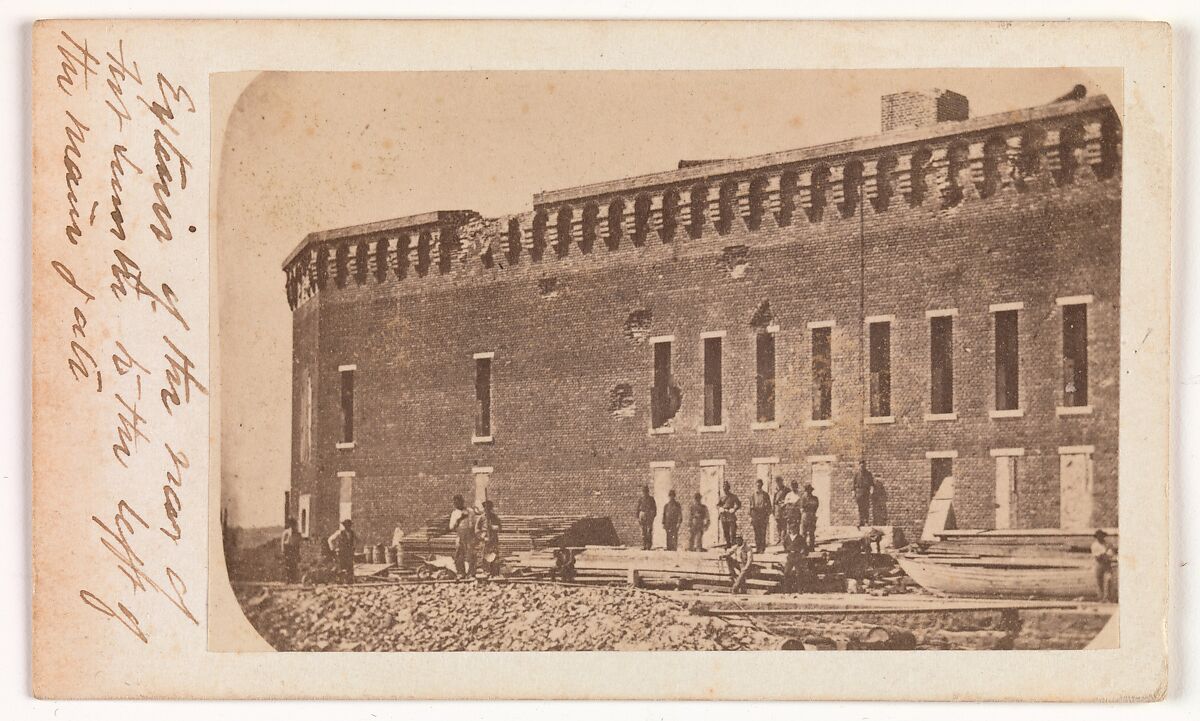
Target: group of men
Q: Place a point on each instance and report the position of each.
(476, 537)
(341, 545)
(790, 506)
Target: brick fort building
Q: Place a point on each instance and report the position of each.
(938, 300)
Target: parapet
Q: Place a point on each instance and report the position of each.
(942, 165)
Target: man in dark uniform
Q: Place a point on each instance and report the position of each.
(729, 505)
(645, 511)
(487, 531)
(342, 544)
(863, 486)
(672, 519)
(809, 504)
(760, 516)
(780, 503)
(796, 549)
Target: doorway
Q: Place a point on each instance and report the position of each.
(661, 485)
(483, 479)
(1075, 482)
(822, 483)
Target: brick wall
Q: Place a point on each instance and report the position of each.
(915, 108)
(559, 448)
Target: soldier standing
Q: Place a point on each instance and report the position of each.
(342, 544)
(729, 504)
(487, 530)
(760, 515)
(809, 504)
(780, 501)
(645, 511)
(697, 523)
(462, 525)
(863, 486)
(672, 519)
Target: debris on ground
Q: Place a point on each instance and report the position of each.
(480, 616)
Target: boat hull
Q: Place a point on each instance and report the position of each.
(1068, 578)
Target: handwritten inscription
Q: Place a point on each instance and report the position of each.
(125, 164)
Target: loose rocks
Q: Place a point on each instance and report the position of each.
(485, 617)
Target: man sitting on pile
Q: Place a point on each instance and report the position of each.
(740, 561)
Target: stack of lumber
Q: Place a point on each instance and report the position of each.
(826, 569)
(612, 565)
(518, 534)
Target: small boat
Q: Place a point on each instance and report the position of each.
(963, 574)
(1015, 563)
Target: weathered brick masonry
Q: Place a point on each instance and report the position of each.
(1022, 207)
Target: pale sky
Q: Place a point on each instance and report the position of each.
(311, 151)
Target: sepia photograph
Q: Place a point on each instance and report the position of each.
(672, 360)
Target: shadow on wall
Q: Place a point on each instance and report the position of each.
(879, 505)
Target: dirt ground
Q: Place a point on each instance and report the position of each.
(540, 616)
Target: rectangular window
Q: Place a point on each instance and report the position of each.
(940, 469)
(345, 495)
(305, 513)
(1075, 355)
(1008, 374)
(483, 396)
(347, 376)
(941, 364)
(765, 376)
(661, 406)
(712, 381)
(880, 339)
(822, 373)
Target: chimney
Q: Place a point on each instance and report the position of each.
(917, 108)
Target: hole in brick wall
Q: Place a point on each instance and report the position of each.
(424, 253)
(562, 236)
(381, 259)
(788, 185)
(637, 325)
(1029, 160)
(342, 260)
(401, 259)
(993, 157)
(620, 401)
(670, 215)
(817, 193)
(957, 175)
(757, 203)
(1070, 154)
(360, 261)
(514, 241)
(616, 217)
(548, 288)
(883, 182)
(447, 248)
(1110, 139)
(852, 176)
(917, 183)
(322, 266)
(641, 219)
(726, 206)
(591, 215)
(539, 235)
(735, 259)
(763, 316)
(698, 209)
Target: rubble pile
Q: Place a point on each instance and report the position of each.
(485, 617)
